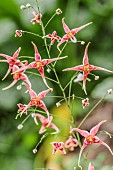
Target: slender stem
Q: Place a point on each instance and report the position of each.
(91, 110)
(27, 32)
(60, 53)
(25, 119)
(50, 20)
(40, 76)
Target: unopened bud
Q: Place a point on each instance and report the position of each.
(109, 91)
(19, 87)
(20, 126)
(33, 115)
(58, 104)
(96, 77)
(58, 11)
(22, 7)
(82, 42)
(35, 150)
(28, 6)
(48, 70)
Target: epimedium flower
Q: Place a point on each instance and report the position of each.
(39, 63)
(36, 100)
(86, 68)
(58, 146)
(90, 138)
(12, 60)
(71, 143)
(53, 37)
(45, 123)
(70, 34)
(85, 103)
(91, 167)
(21, 107)
(37, 18)
(18, 75)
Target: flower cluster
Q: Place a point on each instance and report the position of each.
(18, 69)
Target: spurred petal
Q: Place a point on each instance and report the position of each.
(95, 129)
(8, 71)
(42, 94)
(85, 74)
(76, 30)
(47, 61)
(91, 167)
(37, 55)
(76, 68)
(53, 126)
(43, 106)
(82, 132)
(7, 57)
(42, 129)
(31, 92)
(81, 150)
(63, 39)
(103, 143)
(25, 78)
(85, 59)
(92, 67)
(12, 84)
(66, 28)
(73, 39)
(16, 54)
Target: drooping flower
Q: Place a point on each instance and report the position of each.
(39, 64)
(91, 167)
(70, 34)
(53, 37)
(45, 123)
(58, 146)
(36, 100)
(71, 143)
(86, 68)
(85, 103)
(90, 138)
(37, 18)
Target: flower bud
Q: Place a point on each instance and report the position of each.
(28, 6)
(58, 11)
(20, 126)
(22, 7)
(19, 87)
(96, 77)
(34, 150)
(82, 42)
(109, 91)
(58, 104)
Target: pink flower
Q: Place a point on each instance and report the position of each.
(58, 146)
(70, 33)
(18, 75)
(21, 107)
(37, 18)
(53, 37)
(90, 138)
(71, 143)
(86, 68)
(91, 167)
(11, 61)
(45, 123)
(85, 103)
(36, 100)
(39, 64)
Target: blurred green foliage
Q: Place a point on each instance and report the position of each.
(16, 146)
